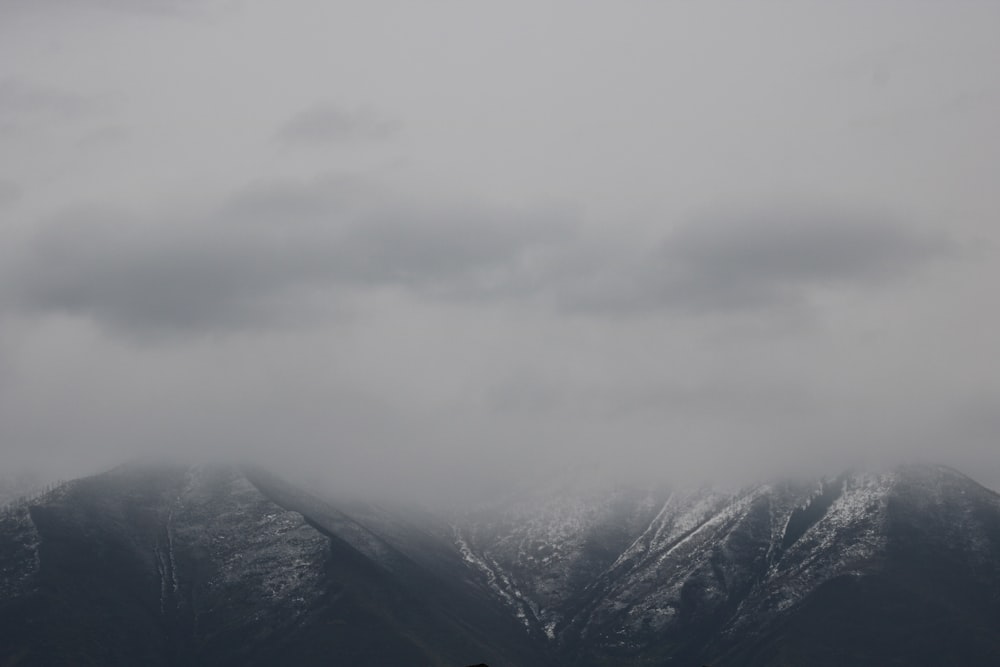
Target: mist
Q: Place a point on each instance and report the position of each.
(446, 251)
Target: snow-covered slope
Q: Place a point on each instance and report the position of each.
(170, 565)
(539, 553)
(192, 565)
(623, 573)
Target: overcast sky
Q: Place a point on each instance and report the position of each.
(444, 244)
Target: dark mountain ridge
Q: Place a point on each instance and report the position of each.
(171, 565)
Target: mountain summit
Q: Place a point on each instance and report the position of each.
(161, 565)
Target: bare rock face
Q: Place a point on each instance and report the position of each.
(221, 566)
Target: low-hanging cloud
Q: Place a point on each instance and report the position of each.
(278, 253)
(151, 7)
(329, 124)
(255, 260)
(10, 192)
(21, 99)
(754, 261)
(549, 260)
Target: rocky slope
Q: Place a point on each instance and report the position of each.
(722, 577)
(170, 566)
(188, 566)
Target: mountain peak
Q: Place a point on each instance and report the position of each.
(169, 564)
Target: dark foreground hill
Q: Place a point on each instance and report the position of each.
(221, 566)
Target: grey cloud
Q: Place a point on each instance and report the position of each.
(505, 335)
(280, 253)
(9, 192)
(22, 99)
(270, 254)
(750, 262)
(326, 124)
(154, 7)
(105, 137)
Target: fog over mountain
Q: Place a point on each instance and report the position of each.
(442, 250)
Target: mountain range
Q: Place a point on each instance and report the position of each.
(218, 565)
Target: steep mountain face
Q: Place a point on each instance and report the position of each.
(178, 566)
(893, 568)
(170, 566)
